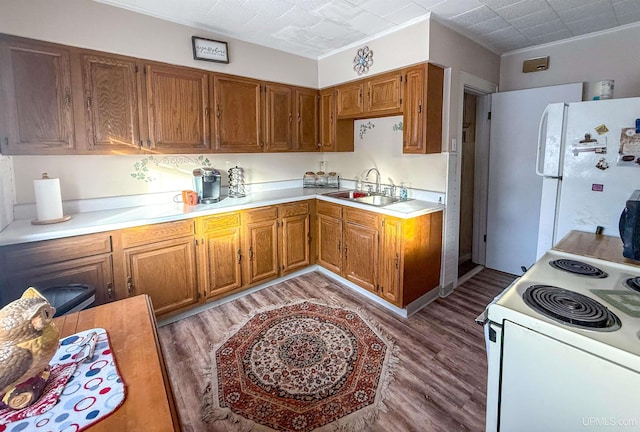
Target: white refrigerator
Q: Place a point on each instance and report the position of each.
(514, 189)
(589, 160)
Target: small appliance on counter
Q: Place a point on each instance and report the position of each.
(630, 227)
(207, 184)
(236, 182)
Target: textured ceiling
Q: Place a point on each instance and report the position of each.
(314, 28)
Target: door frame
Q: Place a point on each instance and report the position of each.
(483, 89)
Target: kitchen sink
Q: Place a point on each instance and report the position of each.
(361, 197)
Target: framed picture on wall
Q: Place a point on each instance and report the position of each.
(210, 50)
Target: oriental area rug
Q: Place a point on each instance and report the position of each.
(300, 367)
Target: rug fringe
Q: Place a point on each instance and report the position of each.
(354, 422)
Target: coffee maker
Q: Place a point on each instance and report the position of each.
(207, 184)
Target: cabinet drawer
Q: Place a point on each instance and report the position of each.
(361, 217)
(294, 209)
(154, 233)
(221, 221)
(329, 209)
(262, 214)
(30, 255)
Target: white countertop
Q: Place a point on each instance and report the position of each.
(22, 231)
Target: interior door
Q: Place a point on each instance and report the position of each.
(514, 189)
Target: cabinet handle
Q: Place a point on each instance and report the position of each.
(420, 108)
(290, 118)
(139, 144)
(345, 252)
(110, 290)
(331, 118)
(261, 143)
(148, 143)
(251, 253)
(206, 111)
(239, 256)
(129, 286)
(397, 261)
(360, 95)
(67, 98)
(218, 111)
(89, 103)
(339, 246)
(299, 117)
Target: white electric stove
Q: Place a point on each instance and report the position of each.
(563, 347)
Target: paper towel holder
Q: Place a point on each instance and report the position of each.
(64, 218)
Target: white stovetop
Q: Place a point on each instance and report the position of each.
(22, 231)
(622, 345)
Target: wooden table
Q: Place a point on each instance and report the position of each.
(595, 246)
(131, 325)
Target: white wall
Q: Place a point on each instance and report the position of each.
(600, 56)
(378, 143)
(404, 47)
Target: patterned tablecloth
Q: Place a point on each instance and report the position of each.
(94, 390)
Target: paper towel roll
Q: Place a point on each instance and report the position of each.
(48, 198)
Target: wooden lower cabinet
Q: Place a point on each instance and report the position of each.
(261, 244)
(397, 259)
(160, 261)
(295, 238)
(410, 257)
(360, 235)
(219, 254)
(84, 259)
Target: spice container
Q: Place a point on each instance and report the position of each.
(333, 180)
(321, 179)
(309, 179)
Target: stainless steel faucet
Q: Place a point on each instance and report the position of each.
(377, 178)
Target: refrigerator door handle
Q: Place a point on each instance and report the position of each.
(540, 151)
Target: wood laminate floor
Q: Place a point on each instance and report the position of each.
(440, 383)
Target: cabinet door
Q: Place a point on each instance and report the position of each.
(178, 108)
(166, 271)
(306, 120)
(36, 98)
(237, 115)
(328, 120)
(423, 110)
(330, 243)
(383, 94)
(220, 254)
(361, 255)
(295, 242)
(349, 99)
(112, 99)
(261, 245)
(96, 270)
(413, 138)
(278, 117)
(391, 261)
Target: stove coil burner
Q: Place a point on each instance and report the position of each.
(570, 307)
(578, 268)
(633, 283)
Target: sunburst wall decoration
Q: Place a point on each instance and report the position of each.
(363, 60)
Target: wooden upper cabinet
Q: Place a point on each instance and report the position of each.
(383, 94)
(423, 109)
(327, 119)
(349, 101)
(112, 91)
(178, 108)
(279, 116)
(36, 98)
(306, 121)
(237, 114)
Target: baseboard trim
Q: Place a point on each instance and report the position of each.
(471, 273)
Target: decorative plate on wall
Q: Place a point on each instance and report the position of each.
(363, 60)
